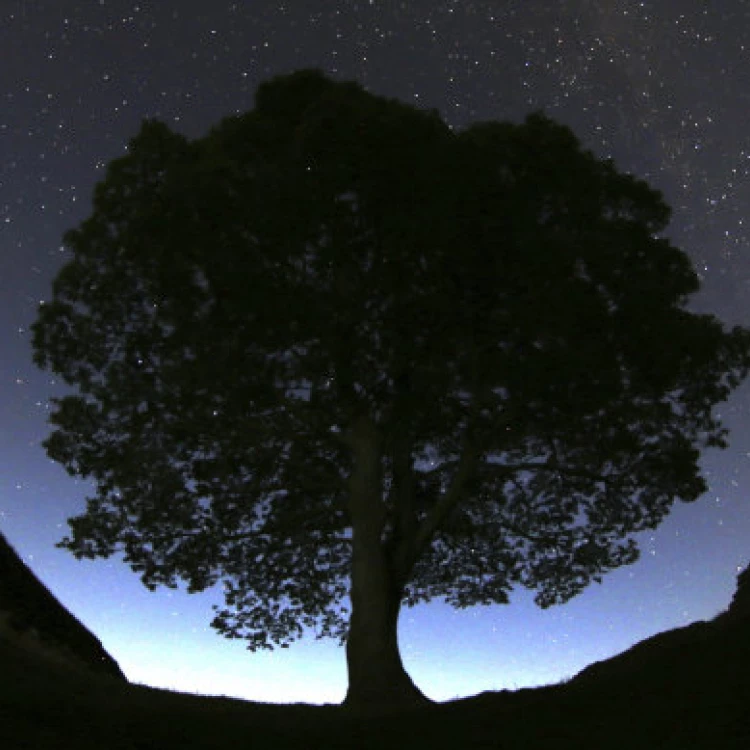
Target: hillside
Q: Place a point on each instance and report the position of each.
(686, 688)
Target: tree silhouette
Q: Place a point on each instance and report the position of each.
(335, 353)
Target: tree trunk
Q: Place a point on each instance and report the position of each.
(377, 678)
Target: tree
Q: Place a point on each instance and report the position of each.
(335, 353)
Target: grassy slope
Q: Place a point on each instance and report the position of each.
(686, 689)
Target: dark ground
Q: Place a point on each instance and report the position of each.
(687, 688)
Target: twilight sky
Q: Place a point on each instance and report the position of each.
(657, 86)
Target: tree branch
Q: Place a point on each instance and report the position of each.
(466, 468)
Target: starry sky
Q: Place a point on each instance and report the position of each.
(662, 88)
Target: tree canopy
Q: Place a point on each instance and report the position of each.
(334, 353)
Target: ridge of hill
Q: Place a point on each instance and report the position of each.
(684, 689)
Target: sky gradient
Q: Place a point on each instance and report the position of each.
(663, 88)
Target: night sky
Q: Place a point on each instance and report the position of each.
(663, 88)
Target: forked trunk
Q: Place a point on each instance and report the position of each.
(377, 678)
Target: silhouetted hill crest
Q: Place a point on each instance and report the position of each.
(686, 689)
(33, 620)
(668, 650)
(740, 604)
